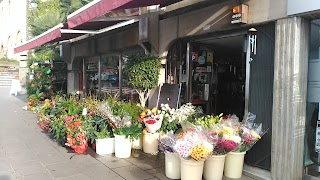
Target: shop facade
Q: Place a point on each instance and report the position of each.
(260, 66)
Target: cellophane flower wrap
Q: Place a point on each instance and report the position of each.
(250, 133)
(193, 144)
(152, 119)
(227, 131)
(167, 143)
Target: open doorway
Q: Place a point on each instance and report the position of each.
(225, 71)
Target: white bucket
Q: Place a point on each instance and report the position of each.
(191, 169)
(234, 164)
(122, 146)
(172, 166)
(150, 143)
(137, 143)
(213, 167)
(105, 146)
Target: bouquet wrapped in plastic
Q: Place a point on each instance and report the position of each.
(250, 133)
(194, 144)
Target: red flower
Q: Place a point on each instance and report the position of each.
(150, 121)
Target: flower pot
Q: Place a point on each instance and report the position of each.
(150, 143)
(234, 164)
(213, 167)
(191, 169)
(80, 149)
(137, 143)
(105, 146)
(172, 166)
(122, 146)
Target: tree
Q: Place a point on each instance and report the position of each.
(143, 74)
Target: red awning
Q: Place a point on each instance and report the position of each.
(52, 35)
(101, 7)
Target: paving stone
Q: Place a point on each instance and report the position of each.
(132, 173)
(159, 173)
(114, 162)
(24, 156)
(16, 147)
(63, 170)
(44, 176)
(100, 172)
(77, 177)
(29, 168)
(52, 158)
(8, 175)
(83, 160)
(146, 163)
(5, 165)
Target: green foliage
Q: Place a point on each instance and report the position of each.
(103, 134)
(208, 121)
(69, 6)
(143, 71)
(41, 82)
(58, 128)
(132, 132)
(167, 126)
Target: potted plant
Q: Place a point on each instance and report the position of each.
(104, 142)
(143, 74)
(123, 139)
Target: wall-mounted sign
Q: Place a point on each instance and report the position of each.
(239, 14)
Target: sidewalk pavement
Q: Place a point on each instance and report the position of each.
(28, 153)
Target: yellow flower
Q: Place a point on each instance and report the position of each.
(256, 135)
(154, 110)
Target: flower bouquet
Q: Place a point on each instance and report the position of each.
(152, 119)
(169, 122)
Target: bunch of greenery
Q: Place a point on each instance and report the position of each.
(133, 131)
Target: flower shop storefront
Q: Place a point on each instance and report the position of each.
(218, 73)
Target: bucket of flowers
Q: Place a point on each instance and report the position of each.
(152, 120)
(245, 134)
(193, 147)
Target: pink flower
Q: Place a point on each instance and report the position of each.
(229, 145)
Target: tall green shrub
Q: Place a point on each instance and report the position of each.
(143, 74)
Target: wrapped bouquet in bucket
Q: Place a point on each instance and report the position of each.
(245, 134)
(193, 147)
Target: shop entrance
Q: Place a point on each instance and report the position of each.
(211, 72)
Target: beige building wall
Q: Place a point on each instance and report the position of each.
(13, 23)
(214, 18)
